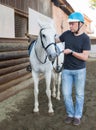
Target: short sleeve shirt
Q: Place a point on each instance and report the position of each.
(77, 44)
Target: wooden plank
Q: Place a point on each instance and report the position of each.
(31, 37)
(12, 62)
(12, 55)
(8, 77)
(14, 68)
(20, 40)
(16, 89)
(13, 47)
(14, 82)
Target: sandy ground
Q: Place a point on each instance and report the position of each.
(16, 112)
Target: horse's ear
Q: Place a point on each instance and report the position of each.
(46, 24)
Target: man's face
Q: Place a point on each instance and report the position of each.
(73, 26)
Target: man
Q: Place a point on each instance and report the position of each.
(77, 46)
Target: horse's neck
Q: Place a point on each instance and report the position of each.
(39, 46)
(40, 50)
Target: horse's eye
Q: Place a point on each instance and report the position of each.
(43, 36)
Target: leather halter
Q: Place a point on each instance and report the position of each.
(45, 48)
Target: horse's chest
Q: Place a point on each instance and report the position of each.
(43, 68)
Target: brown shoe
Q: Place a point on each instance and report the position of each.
(68, 120)
(76, 121)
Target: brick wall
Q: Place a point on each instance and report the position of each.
(60, 19)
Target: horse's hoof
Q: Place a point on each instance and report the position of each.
(51, 114)
(58, 98)
(53, 95)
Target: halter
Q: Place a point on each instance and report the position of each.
(45, 48)
(58, 69)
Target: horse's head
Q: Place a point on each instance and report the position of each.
(47, 37)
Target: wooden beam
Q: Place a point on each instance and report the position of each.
(61, 1)
(14, 68)
(31, 37)
(13, 47)
(17, 88)
(14, 82)
(11, 76)
(8, 63)
(13, 55)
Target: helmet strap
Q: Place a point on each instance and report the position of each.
(78, 28)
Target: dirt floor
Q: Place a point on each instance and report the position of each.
(16, 112)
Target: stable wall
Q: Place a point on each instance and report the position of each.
(6, 22)
(60, 19)
(13, 62)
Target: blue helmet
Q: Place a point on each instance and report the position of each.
(76, 17)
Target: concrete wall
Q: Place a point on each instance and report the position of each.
(6, 22)
(35, 18)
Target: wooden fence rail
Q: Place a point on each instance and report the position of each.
(13, 62)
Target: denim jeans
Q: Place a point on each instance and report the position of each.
(76, 78)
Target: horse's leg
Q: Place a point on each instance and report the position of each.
(53, 84)
(36, 91)
(58, 86)
(48, 91)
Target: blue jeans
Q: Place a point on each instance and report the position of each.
(77, 79)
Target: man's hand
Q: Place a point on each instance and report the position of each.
(67, 51)
(57, 40)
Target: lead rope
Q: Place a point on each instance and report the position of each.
(58, 69)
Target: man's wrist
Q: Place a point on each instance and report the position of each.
(71, 52)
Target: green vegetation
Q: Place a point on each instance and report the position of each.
(93, 3)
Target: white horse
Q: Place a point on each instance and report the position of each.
(42, 54)
(57, 69)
